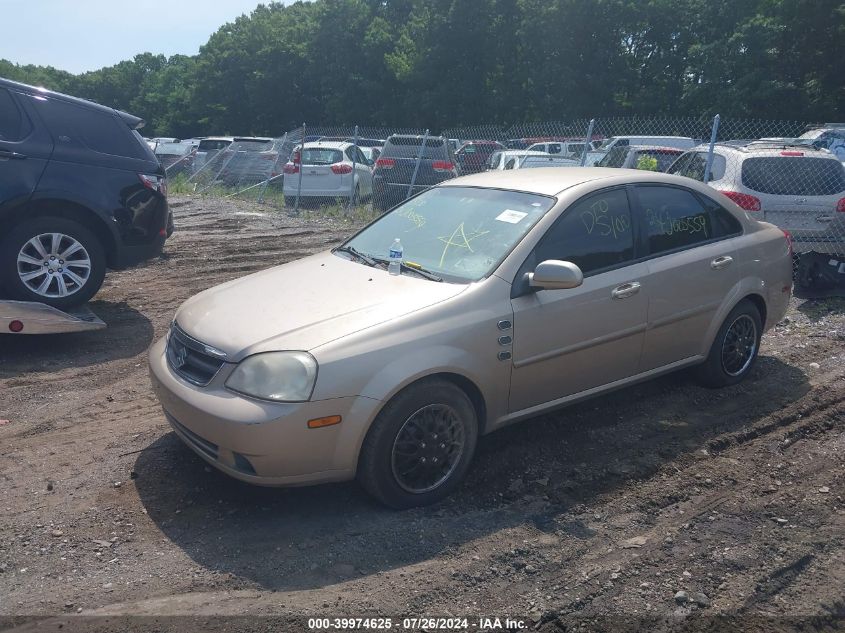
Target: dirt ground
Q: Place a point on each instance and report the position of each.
(598, 514)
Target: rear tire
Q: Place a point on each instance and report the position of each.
(420, 446)
(62, 271)
(734, 349)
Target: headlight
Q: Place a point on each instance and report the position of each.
(277, 376)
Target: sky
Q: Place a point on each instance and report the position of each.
(82, 35)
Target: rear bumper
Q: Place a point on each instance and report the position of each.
(125, 256)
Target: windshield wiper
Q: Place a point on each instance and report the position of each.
(369, 261)
(414, 268)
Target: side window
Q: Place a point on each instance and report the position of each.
(594, 233)
(724, 223)
(98, 130)
(13, 125)
(362, 159)
(673, 218)
(554, 148)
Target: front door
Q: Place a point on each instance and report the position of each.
(569, 341)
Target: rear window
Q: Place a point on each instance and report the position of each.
(794, 175)
(321, 156)
(615, 157)
(258, 145)
(210, 146)
(694, 164)
(98, 130)
(172, 149)
(664, 159)
(409, 147)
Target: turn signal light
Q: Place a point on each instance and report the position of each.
(318, 423)
(16, 326)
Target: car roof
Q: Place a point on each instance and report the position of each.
(219, 138)
(766, 149)
(131, 120)
(661, 148)
(327, 145)
(550, 181)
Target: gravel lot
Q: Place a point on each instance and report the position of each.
(662, 500)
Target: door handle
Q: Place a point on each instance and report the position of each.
(721, 262)
(626, 290)
(7, 155)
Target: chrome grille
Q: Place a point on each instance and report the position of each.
(190, 359)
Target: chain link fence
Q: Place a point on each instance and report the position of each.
(788, 173)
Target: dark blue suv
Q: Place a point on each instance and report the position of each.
(80, 191)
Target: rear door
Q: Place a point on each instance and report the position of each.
(691, 269)
(569, 341)
(24, 151)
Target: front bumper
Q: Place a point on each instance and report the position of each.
(260, 442)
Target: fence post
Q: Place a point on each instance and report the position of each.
(713, 134)
(417, 165)
(352, 199)
(299, 186)
(587, 141)
(272, 177)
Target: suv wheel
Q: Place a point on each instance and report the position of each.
(420, 445)
(735, 348)
(52, 260)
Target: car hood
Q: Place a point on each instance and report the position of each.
(304, 304)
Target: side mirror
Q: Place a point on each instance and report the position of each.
(554, 274)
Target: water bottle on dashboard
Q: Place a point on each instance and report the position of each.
(395, 265)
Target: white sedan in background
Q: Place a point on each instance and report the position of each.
(329, 169)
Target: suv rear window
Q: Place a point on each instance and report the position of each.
(321, 156)
(408, 147)
(98, 130)
(794, 175)
(249, 145)
(210, 146)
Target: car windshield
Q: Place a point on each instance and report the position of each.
(321, 156)
(458, 233)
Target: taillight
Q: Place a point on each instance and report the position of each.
(154, 183)
(290, 168)
(342, 168)
(789, 241)
(295, 157)
(744, 200)
(385, 163)
(442, 165)
(840, 206)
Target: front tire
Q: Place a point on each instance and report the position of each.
(52, 260)
(735, 347)
(420, 446)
